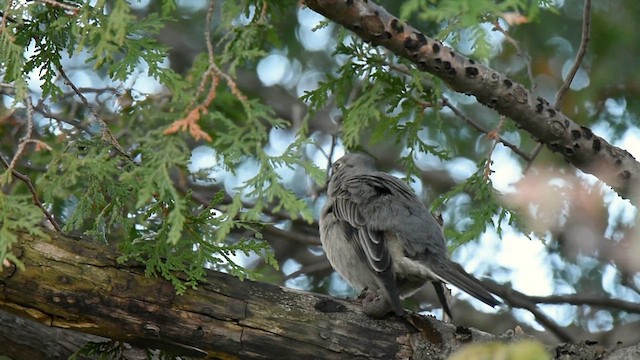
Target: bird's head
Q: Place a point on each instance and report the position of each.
(350, 164)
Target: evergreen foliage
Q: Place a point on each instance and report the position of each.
(94, 189)
(110, 162)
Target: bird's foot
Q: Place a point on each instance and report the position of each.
(362, 295)
(374, 304)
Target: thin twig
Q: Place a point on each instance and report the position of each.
(213, 74)
(300, 238)
(545, 321)
(332, 149)
(207, 31)
(533, 156)
(76, 124)
(495, 136)
(5, 16)
(27, 136)
(106, 133)
(60, 5)
(582, 51)
(212, 64)
(519, 52)
(309, 269)
(445, 102)
(34, 196)
(468, 120)
(575, 299)
(517, 299)
(97, 91)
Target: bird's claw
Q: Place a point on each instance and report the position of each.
(375, 305)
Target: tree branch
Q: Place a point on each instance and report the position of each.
(80, 286)
(34, 194)
(577, 144)
(582, 51)
(473, 124)
(519, 300)
(106, 133)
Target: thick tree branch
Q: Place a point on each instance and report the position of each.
(79, 285)
(26, 339)
(577, 144)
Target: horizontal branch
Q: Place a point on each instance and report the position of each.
(577, 299)
(577, 144)
(79, 285)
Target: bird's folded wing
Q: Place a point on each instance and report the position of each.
(372, 242)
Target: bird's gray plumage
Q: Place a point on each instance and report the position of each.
(379, 236)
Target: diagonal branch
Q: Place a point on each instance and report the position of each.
(106, 133)
(519, 300)
(577, 144)
(582, 51)
(34, 194)
(473, 124)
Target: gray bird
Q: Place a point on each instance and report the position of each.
(380, 237)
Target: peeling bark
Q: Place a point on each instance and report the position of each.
(577, 144)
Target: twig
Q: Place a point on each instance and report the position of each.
(207, 30)
(582, 51)
(519, 52)
(533, 156)
(106, 133)
(97, 91)
(60, 5)
(519, 300)
(306, 240)
(332, 149)
(575, 299)
(34, 196)
(213, 68)
(545, 321)
(27, 136)
(309, 269)
(213, 74)
(56, 117)
(468, 120)
(5, 16)
(445, 102)
(495, 136)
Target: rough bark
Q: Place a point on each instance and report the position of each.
(577, 144)
(22, 338)
(79, 285)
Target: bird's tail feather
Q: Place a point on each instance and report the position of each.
(440, 291)
(455, 275)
